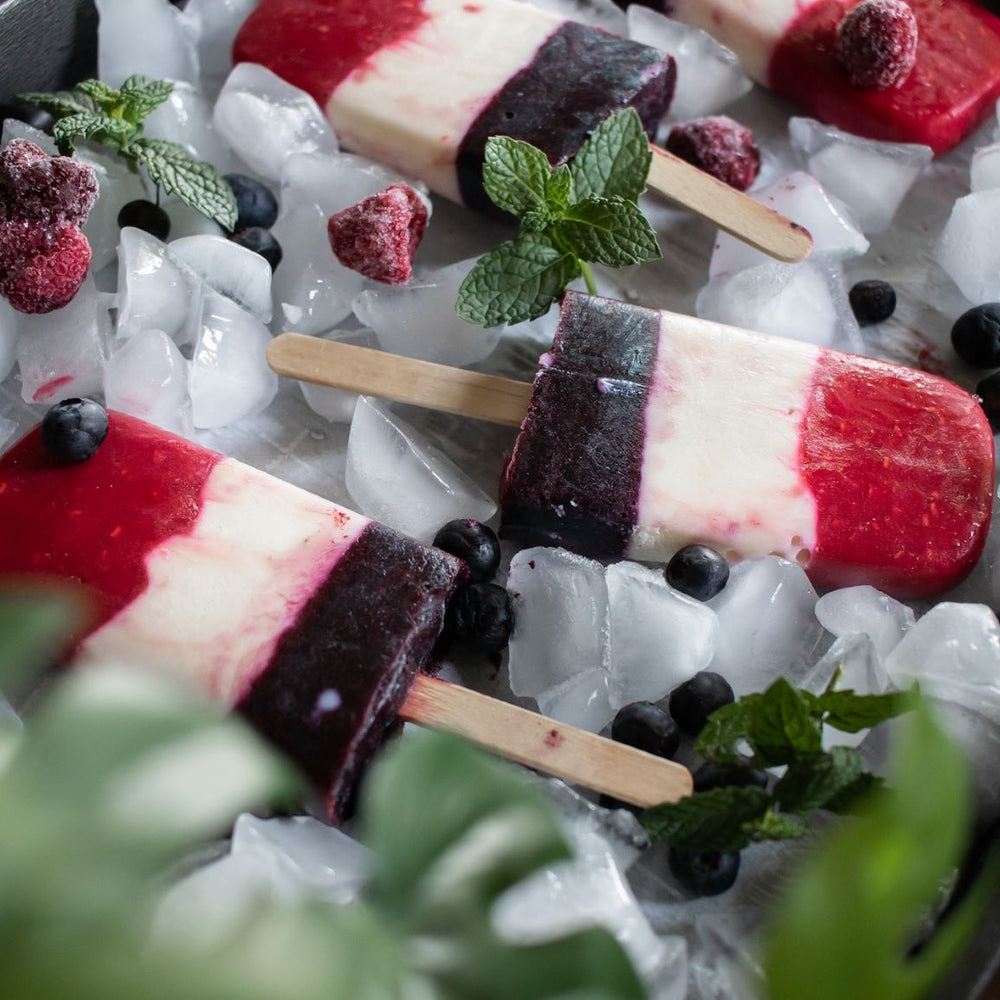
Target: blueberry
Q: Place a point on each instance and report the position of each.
(988, 391)
(146, 216)
(704, 873)
(474, 542)
(648, 727)
(260, 241)
(28, 114)
(976, 335)
(698, 571)
(74, 429)
(480, 616)
(715, 776)
(872, 301)
(692, 702)
(255, 203)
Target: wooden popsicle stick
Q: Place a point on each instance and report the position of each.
(405, 380)
(575, 755)
(731, 210)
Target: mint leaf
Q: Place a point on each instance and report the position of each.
(850, 712)
(615, 160)
(536, 221)
(559, 192)
(719, 742)
(775, 827)
(140, 96)
(780, 725)
(853, 797)
(60, 104)
(608, 231)
(515, 174)
(93, 126)
(716, 820)
(812, 782)
(517, 281)
(34, 630)
(196, 183)
(106, 98)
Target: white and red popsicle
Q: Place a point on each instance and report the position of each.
(645, 431)
(790, 47)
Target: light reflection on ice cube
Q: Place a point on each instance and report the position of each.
(397, 476)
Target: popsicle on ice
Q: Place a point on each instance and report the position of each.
(312, 621)
(646, 431)
(422, 85)
(789, 46)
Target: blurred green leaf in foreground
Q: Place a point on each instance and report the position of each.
(117, 775)
(854, 908)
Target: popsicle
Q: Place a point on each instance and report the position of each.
(312, 621)
(645, 431)
(422, 85)
(789, 46)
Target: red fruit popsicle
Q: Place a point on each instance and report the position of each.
(790, 46)
(312, 621)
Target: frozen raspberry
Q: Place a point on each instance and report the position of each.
(720, 146)
(47, 189)
(19, 241)
(877, 44)
(379, 236)
(48, 280)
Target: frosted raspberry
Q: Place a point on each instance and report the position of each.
(877, 44)
(48, 279)
(720, 146)
(19, 240)
(41, 188)
(379, 236)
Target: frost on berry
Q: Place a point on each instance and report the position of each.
(379, 236)
(877, 44)
(46, 189)
(47, 277)
(720, 146)
(44, 200)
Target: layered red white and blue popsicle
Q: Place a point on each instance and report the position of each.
(309, 619)
(421, 85)
(648, 431)
(789, 46)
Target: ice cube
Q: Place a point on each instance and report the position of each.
(709, 76)
(10, 328)
(419, 319)
(985, 170)
(62, 353)
(186, 118)
(659, 637)
(562, 631)
(148, 377)
(600, 13)
(399, 477)
(230, 377)
(868, 176)
(803, 301)
(15, 129)
(155, 290)
(143, 36)
(336, 405)
(118, 186)
(233, 271)
(583, 701)
(188, 221)
(865, 611)
(767, 625)
(953, 652)
(214, 24)
(264, 119)
(968, 249)
(589, 890)
(803, 200)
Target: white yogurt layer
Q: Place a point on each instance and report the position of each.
(751, 28)
(220, 598)
(720, 461)
(411, 103)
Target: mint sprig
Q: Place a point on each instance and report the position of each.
(114, 117)
(570, 216)
(782, 726)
